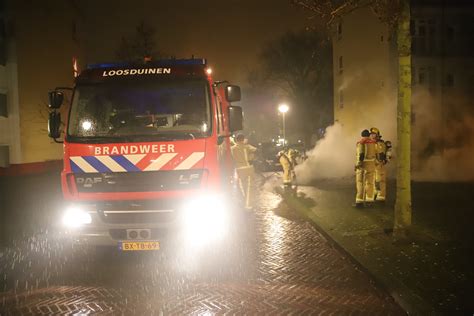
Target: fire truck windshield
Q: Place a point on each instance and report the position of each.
(140, 110)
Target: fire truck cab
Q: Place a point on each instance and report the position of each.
(145, 146)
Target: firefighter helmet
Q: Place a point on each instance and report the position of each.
(240, 137)
(374, 130)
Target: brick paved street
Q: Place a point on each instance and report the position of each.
(273, 266)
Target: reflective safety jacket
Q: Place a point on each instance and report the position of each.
(381, 151)
(365, 150)
(292, 155)
(285, 161)
(243, 155)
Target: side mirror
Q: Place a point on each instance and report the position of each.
(55, 99)
(54, 124)
(232, 93)
(235, 119)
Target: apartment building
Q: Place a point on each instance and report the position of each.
(39, 44)
(365, 73)
(363, 67)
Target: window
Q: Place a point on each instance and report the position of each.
(431, 80)
(422, 76)
(74, 31)
(424, 41)
(470, 92)
(422, 31)
(421, 38)
(431, 37)
(220, 127)
(449, 80)
(341, 98)
(3, 42)
(450, 33)
(341, 65)
(144, 110)
(4, 156)
(426, 76)
(339, 30)
(3, 105)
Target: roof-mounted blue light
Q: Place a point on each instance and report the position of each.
(107, 65)
(163, 62)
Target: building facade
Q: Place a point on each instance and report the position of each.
(365, 76)
(363, 66)
(442, 75)
(38, 46)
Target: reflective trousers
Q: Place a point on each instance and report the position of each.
(246, 177)
(365, 182)
(380, 181)
(287, 171)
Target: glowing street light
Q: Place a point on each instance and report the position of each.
(283, 108)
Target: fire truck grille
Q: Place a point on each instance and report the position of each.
(137, 217)
(150, 181)
(137, 212)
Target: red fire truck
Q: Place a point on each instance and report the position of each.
(145, 146)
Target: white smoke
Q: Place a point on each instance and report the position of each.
(270, 183)
(442, 139)
(332, 157)
(454, 161)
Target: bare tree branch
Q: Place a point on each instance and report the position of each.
(295, 64)
(141, 45)
(329, 10)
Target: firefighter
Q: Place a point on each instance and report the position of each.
(383, 155)
(293, 154)
(365, 169)
(232, 140)
(243, 155)
(285, 161)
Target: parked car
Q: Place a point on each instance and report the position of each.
(266, 158)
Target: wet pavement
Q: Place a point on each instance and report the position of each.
(431, 272)
(267, 265)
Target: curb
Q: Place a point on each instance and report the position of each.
(32, 168)
(412, 304)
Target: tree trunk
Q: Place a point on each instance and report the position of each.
(403, 210)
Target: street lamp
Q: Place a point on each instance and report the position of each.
(283, 108)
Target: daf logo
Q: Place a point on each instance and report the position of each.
(186, 179)
(88, 182)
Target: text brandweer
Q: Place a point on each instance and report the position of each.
(134, 149)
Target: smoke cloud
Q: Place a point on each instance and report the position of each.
(442, 138)
(332, 157)
(442, 146)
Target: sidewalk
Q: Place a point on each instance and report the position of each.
(430, 274)
(28, 203)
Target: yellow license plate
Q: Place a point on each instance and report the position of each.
(139, 245)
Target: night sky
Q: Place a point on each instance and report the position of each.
(228, 33)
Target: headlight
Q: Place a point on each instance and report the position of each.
(205, 219)
(75, 217)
